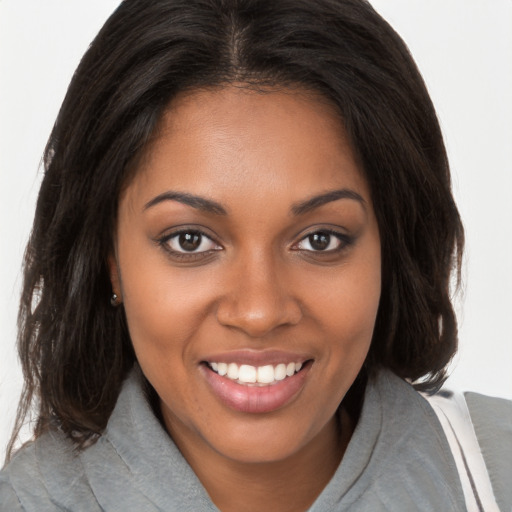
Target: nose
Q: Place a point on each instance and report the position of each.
(259, 298)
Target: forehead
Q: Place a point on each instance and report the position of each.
(234, 140)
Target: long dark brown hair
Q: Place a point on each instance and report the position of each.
(74, 347)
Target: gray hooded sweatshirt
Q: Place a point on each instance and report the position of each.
(398, 459)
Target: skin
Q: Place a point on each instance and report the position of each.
(256, 284)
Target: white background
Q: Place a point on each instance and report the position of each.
(464, 50)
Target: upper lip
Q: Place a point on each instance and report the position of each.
(258, 357)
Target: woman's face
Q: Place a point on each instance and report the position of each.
(247, 243)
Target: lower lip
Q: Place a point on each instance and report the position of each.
(255, 399)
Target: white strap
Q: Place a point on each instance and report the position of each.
(453, 414)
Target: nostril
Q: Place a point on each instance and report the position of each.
(257, 317)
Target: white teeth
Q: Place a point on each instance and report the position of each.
(222, 368)
(280, 372)
(266, 374)
(247, 374)
(233, 371)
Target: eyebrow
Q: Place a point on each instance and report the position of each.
(210, 206)
(200, 203)
(328, 197)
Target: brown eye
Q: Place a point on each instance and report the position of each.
(191, 242)
(319, 241)
(323, 241)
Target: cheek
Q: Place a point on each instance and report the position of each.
(165, 305)
(358, 308)
(349, 311)
(162, 323)
(159, 311)
(352, 298)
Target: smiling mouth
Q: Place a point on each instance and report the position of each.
(257, 382)
(249, 375)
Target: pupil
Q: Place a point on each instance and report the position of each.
(190, 241)
(319, 241)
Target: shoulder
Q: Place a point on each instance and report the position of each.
(480, 432)
(490, 413)
(38, 477)
(21, 484)
(492, 421)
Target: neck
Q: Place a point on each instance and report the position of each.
(286, 485)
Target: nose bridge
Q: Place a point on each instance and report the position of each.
(260, 296)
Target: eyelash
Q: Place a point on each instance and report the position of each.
(344, 242)
(187, 255)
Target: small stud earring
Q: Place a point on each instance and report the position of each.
(114, 300)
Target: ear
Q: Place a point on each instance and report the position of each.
(115, 280)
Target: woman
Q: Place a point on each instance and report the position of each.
(242, 249)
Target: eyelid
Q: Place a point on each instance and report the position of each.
(344, 239)
(163, 241)
(203, 241)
